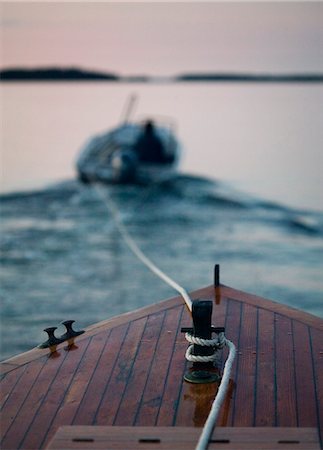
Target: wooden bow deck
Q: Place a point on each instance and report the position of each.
(128, 371)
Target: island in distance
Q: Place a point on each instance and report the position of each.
(54, 74)
(78, 74)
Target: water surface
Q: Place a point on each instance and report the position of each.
(63, 258)
(61, 255)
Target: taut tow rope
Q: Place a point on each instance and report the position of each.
(219, 398)
(137, 251)
(217, 343)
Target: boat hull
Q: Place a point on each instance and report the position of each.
(112, 158)
(128, 371)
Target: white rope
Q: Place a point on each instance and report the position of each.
(217, 403)
(217, 343)
(137, 251)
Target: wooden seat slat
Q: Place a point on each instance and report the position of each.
(183, 438)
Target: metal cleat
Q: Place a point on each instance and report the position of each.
(70, 333)
(52, 340)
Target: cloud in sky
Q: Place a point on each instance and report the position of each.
(165, 38)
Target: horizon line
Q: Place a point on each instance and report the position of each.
(71, 73)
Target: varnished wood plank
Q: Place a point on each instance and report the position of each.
(273, 306)
(233, 331)
(153, 393)
(196, 403)
(99, 387)
(16, 432)
(265, 388)
(90, 402)
(108, 324)
(131, 399)
(317, 358)
(8, 383)
(184, 438)
(6, 367)
(24, 358)
(285, 373)
(174, 378)
(245, 397)
(219, 315)
(120, 376)
(45, 415)
(76, 389)
(19, 394)
(207, 292)
(304, 373)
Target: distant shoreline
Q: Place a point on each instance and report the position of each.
(244, 77)
(80, 75)
(54, 74)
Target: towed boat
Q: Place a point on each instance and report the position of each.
(125, 383)
(137, 153)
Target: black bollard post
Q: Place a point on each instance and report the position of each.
(202, 372)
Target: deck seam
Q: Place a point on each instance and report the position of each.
(13, 387)
(24, 401)
(220, 366)
(91, 377)
(283, 314)
(107, 384)
(294, 371)
(273, 306)
(94, 329)
(49, 386)
(318, 416)
(256, 372)
(169, 365)
(66, 391)
(124, 385)
(225, 327)
(130, 369)
(6, 368)
(275, 369)
(148, 372)
(228, 293)
(238, 361)
(182, 385)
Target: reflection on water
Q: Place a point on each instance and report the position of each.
(62, 257)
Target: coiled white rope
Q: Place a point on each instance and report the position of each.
(219, 342)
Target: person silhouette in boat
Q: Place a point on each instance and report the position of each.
(149, 147)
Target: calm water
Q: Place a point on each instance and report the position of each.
(62, 257)
(265, 138)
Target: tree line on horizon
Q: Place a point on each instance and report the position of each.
(76, 74)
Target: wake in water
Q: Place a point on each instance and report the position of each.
(62, 257)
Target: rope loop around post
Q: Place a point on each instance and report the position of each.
(216, 343)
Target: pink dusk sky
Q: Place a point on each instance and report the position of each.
(164, 38)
